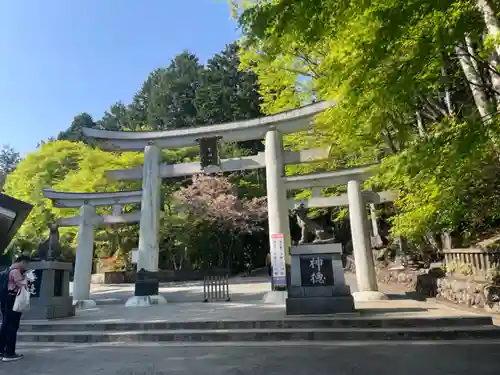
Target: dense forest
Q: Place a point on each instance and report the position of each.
(417, 89)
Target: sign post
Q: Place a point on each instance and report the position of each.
(278, 261)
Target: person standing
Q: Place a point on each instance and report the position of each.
(11, 318)
(269, 265)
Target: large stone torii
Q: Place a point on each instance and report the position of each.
(271, 128)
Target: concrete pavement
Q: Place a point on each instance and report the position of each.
(429, 358)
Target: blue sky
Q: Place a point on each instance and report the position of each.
(62, 57)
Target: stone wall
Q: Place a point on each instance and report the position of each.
(471, 293)
(424, 282)
(465, 291)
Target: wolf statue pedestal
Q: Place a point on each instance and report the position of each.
(51, 299)
(317, 283)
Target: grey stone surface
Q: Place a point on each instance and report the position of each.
(275, 297)
(273, 359)
(74, 200)
(354, 321)
(306, 249)
(47, 305)
(286, 122)
(145, 301)
(277, 205)
(266, 334)
(363, 256)
(150, 210)
(369, 296)
(84, 251)
(84, 304)
(318, 299)
(246, 303)
(319, 305)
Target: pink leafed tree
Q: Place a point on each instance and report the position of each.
(214, 198)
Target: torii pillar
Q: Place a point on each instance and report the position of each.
(277, 207)
(147, 293)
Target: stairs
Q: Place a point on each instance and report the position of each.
(333, 329)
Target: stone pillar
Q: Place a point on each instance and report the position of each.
(117, 209)
(363, 256)
(84, 257)
(277, 205)
(146, 291)
(150, 210)
(315, 192)
(376, 239)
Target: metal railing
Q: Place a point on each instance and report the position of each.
(473, 262)
(216, 286)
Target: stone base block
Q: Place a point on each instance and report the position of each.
(369, 296)
(84, 304)
(144, 301)
(320, 305)
(275, 297)
(59, 307)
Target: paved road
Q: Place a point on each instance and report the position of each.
(278, 359)
(241, 289)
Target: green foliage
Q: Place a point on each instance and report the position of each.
(448, 181)
(74, 132)
(401, 96)
(9, 159)
(63, 166)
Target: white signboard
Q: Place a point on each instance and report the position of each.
(135, 256)
(278, 259)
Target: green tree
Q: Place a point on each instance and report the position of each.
(228, 93)
(63, 166)
(9, 158)
(171, 104)
(411, 79)
(74, 132)
(118, 118)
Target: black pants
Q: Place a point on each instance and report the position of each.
(10, 326)
(270, 270)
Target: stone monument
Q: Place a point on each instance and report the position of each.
(51, 298)
(317, 284)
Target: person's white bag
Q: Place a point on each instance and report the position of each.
(22, 302)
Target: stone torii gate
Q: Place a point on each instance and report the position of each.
(87, 221)
(273, 160)
(357, 200)
(271, 128)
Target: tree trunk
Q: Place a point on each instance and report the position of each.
(495, 79)
(420, 125)
(475, 81)
(447, 94)
(491, 21)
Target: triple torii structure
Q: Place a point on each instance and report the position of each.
(87, 222)
(271, 128)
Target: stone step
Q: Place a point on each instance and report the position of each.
(304, 323)
(246, 335)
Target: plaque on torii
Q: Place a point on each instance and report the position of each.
(209, 152)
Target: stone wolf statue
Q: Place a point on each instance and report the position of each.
(308, 225)
(50, 248)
